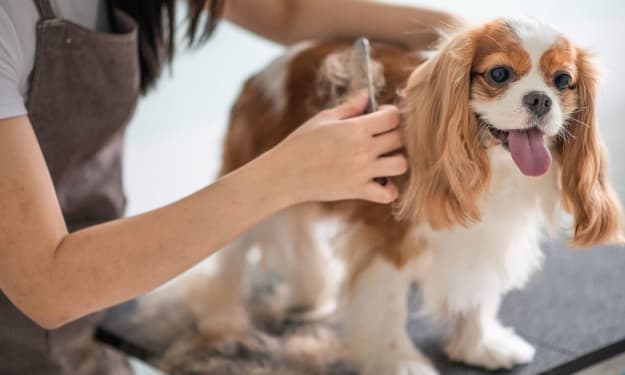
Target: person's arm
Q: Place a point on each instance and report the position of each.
(290, 21)
(55, 277)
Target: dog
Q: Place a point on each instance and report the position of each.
(501, 139)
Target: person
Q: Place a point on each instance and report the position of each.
(71, 72)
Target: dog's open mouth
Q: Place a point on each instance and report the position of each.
(500, 135)
(527, 147)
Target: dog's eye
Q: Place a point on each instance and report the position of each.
(499, 75)
(562, 81)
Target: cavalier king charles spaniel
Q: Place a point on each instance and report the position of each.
(501, 137)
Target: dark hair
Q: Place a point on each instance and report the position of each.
(157, 30)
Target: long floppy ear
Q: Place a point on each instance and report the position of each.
(449, 167)
(586, 190)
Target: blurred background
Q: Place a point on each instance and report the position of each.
(174, 142)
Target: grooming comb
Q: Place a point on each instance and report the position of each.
(359, 66)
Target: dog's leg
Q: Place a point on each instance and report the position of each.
(217, 298)
(479, 339)
(374, 307)
(293, 254)
(315, 274)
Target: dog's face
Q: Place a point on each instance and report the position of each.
(520, 86)
(523, 90)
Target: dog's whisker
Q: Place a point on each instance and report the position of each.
(565, 134)
(578, 110)
(579, 122)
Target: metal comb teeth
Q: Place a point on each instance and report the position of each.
(360, 70)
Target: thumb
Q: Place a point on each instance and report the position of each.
(353, 106)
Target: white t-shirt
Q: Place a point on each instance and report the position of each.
(18, 21)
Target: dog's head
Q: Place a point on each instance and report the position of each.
(520, 86)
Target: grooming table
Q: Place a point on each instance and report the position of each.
(573, 311)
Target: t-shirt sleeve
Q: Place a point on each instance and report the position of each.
(11, 99)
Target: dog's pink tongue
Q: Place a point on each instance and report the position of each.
(529, 151)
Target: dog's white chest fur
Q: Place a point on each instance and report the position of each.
(496, 254)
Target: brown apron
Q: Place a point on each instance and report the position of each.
(84, 89)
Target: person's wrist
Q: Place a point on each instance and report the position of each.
(278, 180)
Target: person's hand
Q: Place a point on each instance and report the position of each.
(336, 154)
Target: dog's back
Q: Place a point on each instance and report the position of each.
(305, 80)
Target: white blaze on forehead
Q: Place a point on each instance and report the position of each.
(536, 36)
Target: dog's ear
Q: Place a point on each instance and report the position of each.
(449, 167)
(586, 190)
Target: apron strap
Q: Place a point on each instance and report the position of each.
(45, 9)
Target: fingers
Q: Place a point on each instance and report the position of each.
(375, 192)
(381, 121)
(395, 165)
(357, 142)
(388, 142)
(354, 106)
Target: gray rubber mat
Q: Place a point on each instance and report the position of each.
(574, 306)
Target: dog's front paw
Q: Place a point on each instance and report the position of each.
(500, 349)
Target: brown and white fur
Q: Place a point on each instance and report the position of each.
(468, 223)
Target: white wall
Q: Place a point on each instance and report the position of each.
(174, 142)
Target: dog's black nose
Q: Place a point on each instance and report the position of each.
(537, 102)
